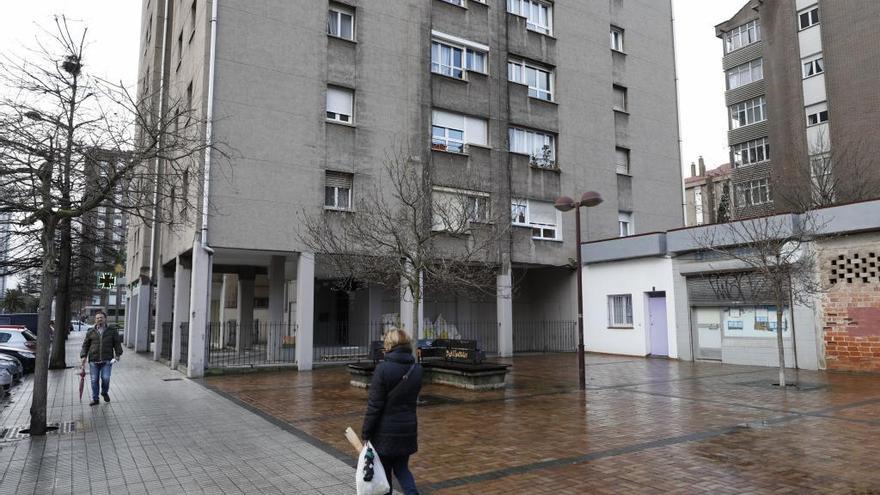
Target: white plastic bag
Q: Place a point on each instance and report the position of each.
(379, 484)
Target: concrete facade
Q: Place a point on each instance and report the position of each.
(819, 84)
(707, 195)
(274, 66)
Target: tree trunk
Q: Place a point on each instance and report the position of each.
(779, 344)
(58, 360)
(41, 370)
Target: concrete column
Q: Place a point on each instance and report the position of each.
(504, 308)
(305, 310)
(130, 318)
(141, 330)
(245, 331)
(406, 311)
(182, 278)
(276, 307)
(200, 309)
(164, 304)
(222, 317)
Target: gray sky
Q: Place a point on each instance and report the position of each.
(114, 27)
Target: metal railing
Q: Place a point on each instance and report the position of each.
(544, 336)
(167, 330)
(484, 332)
(343, 341)
(184, 342)
(230, 344)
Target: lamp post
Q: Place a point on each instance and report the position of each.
(564, 203)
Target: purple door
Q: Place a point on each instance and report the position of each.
(659, 339)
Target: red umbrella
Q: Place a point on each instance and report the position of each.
(82, 381)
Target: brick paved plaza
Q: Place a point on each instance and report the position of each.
(644, 426)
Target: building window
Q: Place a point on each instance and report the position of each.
(625, 223)
(339, 104)
(817, 114)
(745, 74)
(743, 35)
(621, 160)
(619, 103)
(617, 39)
(813, 66)
(698, 205)
(451, 59)
(748, 153)
(340, 22)
(460, 3)
(454, 209)
(96, 300)
(539, 15)
(753, 193)
(620, 311)
(808, 18)
(539, 80)
(452, 131)
(337, 190)
(539, 146)
(541, 216)
(748, 112)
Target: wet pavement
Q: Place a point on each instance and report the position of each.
(642, 426)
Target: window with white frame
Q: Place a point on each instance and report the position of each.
(822, 178)
(748, 112)
(746, 73)
(541, 216)
(538, 145)
(452, 131)
(698, 205)
(620, 310)
(625, 223)
(620, 96)
(539, 15)
(621, 160)
(817, 114)
(340, 103)
(744, 35)
(750, 152)
(337, 190)
(340, 22)
(96, 300)
(454, 209)
(813, 66)
(453, 57)
(753, 193)
(460, 3)
(617, 39)
(808, 18)
(538, 79)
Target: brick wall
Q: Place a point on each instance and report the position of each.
(851, 305)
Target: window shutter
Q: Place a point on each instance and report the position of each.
(449, 120)
(338, 179)
(339, 101)
(542, 212)
(477, 131)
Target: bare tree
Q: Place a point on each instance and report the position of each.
(56, 129)
(775, 263)
(402, 233)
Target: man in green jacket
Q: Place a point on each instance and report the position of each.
(100, 344)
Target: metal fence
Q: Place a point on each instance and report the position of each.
(343, 341)
(484, 332)
(544, 336)
(167, 331)
(184, 343)
(230, 344)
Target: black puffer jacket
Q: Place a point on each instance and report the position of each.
(390, 422)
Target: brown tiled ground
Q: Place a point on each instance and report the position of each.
(643, 426)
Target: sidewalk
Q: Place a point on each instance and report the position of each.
(162, 433)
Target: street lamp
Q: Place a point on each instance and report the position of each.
(564, 203)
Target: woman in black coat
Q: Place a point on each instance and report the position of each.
(390, 423)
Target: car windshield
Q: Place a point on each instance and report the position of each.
(29, 336)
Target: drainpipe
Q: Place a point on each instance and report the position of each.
(209, 128)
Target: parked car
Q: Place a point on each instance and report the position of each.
(12, 365)
(79, 326)
(27, 358)
(18, 336)
(5, 380)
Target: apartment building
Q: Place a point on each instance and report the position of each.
(707, 194)
(530, 99)
(803, 102)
